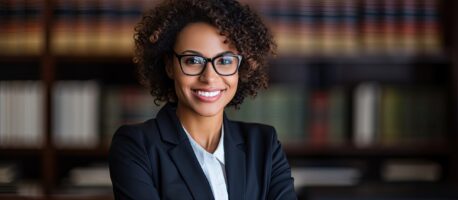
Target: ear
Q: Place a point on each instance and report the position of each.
(168, 67)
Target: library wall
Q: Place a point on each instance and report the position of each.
(363, 95)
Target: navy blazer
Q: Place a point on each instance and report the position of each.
(155, 160)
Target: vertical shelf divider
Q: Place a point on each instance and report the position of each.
(48, 76)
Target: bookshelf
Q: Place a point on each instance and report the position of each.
(398, 58)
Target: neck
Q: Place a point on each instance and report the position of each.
(205, 130)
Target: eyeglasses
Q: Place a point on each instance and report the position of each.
(194, 65)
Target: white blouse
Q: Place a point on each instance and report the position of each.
(212, 165)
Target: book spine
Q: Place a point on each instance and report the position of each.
(366, 109)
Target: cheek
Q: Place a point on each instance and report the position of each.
(181, 84)
(233, 83)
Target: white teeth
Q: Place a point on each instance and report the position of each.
(208, 94)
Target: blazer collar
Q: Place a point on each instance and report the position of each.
(182, 154)
(235, 160)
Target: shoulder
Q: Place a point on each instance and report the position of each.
(255, 133)
(135, 134)
(255, 129)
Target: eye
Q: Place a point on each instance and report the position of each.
(225, 60)
(193, 60)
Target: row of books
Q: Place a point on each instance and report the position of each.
(346, 173)
(86, 27)
(281, 106)
(352, 27)
(85, 114)
(86, 180)
(22, 27)
(394, 115)
(76, 114)
(101, 27)
(325, 176)
(302, 27)
(298, 114)
(77, 108)
(381, 115)
(77, 121)
(21, 113)
(126, 105)
(94, 175)
(11, 181)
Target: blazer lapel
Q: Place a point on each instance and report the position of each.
(185, 161)
(235, 160)
(182, 153)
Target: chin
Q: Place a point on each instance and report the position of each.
(209, 110)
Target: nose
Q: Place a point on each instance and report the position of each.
(209, 74)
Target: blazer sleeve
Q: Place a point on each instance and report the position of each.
(130, 169)
(281, 184)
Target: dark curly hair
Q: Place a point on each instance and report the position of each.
(156, 33)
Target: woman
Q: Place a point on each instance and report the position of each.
(200, 56)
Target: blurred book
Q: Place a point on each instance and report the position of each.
(96, 27)
(325, 176)
(76, 114)
(22, 114)
(125, 105)
(22, 29)
(327, 119)
(280, 106)
(89, 180)
(402, 170)
(8, 173)
(398, 115)
(365, 114)
(90, 176)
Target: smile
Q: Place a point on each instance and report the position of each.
(208, 94)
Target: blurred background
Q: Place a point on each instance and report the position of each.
(363, 95)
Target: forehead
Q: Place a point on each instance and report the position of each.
(203, 38)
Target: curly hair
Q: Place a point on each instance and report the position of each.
(156, 33)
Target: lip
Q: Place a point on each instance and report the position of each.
(208, 99)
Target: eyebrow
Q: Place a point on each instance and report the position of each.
(192, 52)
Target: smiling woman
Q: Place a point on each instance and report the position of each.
(199, 57)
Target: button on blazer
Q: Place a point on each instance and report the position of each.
(154, 160)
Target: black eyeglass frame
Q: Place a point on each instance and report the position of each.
(211, 60)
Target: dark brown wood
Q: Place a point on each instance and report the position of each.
(82, 197)
(97, 152)
(453, 30)
(16, 197)
(372, 151)
(21, 152)
(47, 73)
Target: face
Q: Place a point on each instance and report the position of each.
(206, 94)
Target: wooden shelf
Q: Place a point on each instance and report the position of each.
(97, 152)
(58, 197)
(427, 191)
(95, 59)
(82, 197)
(373, 151)
(20, 59)
(20, 151)
(17, 197)
(365, 59)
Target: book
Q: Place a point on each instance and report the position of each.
(401, 170)
(21, 119)
(90, 176)
(325, 176)
(76, 114)
(365, 114)
(125, 105)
